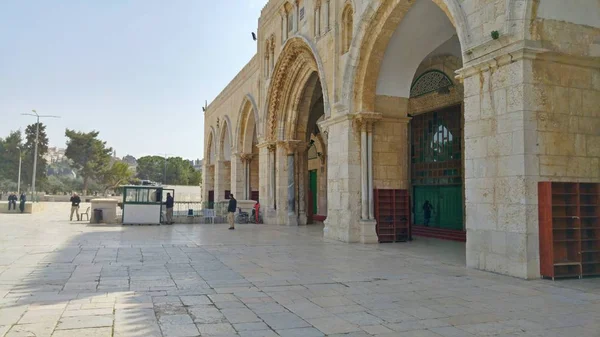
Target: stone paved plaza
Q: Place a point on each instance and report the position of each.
(63, 279)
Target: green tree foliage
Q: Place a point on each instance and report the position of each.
(119, 173)
(29, 152)
(88, 154)
(9, 159)
(179, 170)
(150, 168)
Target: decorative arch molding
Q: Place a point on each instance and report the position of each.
(373, 33)
(248, 110)
(225, 129)
(298, 55)
(430, 81)
(211, 147)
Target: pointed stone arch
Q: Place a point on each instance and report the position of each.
(211, 147)
(298, 59)
(225, 130)
(371, 39)
(248, 113)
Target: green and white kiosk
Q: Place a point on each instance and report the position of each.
(144, 205)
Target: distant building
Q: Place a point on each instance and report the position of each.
(55, 155)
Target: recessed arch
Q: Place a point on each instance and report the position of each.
(211, 147)
(226, 147)
(298, 58)
(247, 120)
(374, 33)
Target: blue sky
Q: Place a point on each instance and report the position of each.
(138, 71)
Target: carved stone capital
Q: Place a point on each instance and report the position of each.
(290, 146)
(364, 121)
(246, 157)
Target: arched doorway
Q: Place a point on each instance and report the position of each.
(417, 136)
(208, 186)
(248, 151)
(296, 102)
(223, 162)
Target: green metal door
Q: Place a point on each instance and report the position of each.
(436, 166)
(313, 189)
(446, 203)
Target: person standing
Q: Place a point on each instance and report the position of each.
(22, 201)
(427, 208)
(169, 203)
(75, 201)
(231, 211)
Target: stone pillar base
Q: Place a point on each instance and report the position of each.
(292, 219)
(368, 233)
(270, 216)
(302, 219)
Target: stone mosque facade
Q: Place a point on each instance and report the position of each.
(467, 104)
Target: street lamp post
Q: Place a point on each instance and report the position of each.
(35, 151)
(19, 176)
(165, 171)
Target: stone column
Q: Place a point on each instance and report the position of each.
(530, 115)
(219, 180)
(290, 147)
(302, 173)
(343, 175)
(370, 170)
(364, 176)
(247, 160)
(267, 180)
(364, 122)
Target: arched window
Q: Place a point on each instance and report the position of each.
(430, 81)
(287, 21)
(317, 18)
(326, 16)
(271, 53)
(347, 27)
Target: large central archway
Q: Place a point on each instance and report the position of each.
(296, 100)
(402, 68)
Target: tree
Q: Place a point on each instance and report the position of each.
(88, 155)
(29, 152)
(9, 156)
(118, 174)
(151, 168)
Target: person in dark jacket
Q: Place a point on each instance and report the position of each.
(12, 201)
(427, 208)
(231, 211)
(22, 201)
(75, 201)
(169, 204)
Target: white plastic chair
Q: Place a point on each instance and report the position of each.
(209, 214)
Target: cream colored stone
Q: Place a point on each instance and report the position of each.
(530, 114)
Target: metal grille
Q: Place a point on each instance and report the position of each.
(430, 81)
(436, 148)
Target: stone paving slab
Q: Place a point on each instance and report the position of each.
(60, 278)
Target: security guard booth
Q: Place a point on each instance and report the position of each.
(144, 205)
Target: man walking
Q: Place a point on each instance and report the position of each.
(169, 203)
(231, 211)
(75, 201)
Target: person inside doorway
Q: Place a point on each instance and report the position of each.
(169, 204)
(22, 202)
(75, 201)
(231, 211)
(427, 209)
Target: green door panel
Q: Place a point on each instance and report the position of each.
(447, 206)
(313, 190)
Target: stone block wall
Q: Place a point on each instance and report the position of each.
(343, 177)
